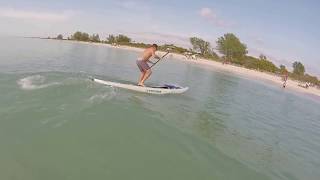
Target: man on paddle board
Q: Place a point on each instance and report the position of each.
(143, 65)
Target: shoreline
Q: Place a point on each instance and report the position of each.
(237, 70)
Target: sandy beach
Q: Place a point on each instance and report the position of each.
(276, 80)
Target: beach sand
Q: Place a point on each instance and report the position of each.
(244, 72)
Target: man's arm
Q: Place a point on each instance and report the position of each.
(155, 56)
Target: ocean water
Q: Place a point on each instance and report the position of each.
(57, 124)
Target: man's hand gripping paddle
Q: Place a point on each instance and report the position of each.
(160, 58)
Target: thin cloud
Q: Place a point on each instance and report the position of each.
(35, 15)
(208, 13)
(133, 5)
(129, 4)
(212, 17)
(259, 41)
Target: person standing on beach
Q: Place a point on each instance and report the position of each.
(285, 79)
(143, 61)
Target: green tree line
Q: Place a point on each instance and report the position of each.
(82, 36)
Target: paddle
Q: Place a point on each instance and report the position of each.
(159, 60)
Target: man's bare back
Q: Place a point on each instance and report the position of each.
(148, 53)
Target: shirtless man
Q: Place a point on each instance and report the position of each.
(143, 65)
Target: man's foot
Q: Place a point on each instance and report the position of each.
(141, 85)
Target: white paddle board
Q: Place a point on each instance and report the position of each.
(165, 89)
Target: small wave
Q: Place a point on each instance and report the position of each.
(35, 82)
(103, 96)
(59, 124)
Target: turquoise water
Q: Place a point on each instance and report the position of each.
(57, 124)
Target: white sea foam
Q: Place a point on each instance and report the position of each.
(103, 96)
(35, 82)
(45, 121)
(59, 124)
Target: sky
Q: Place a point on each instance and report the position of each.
(283, 30)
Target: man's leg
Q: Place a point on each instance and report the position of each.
(143, 73)
(146, 76)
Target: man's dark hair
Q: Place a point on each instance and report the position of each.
(155, 45)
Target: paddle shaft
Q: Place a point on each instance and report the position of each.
(159, 60)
